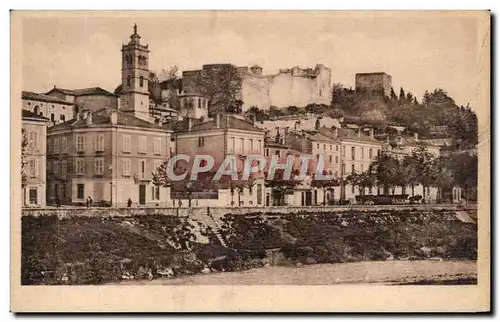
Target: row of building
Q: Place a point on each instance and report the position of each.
(106, 146)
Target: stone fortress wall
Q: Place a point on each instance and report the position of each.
(289, 87)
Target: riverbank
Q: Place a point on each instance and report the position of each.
(98, 250)
(386, 272)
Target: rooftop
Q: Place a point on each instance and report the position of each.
(43, 98)
(82, 91)
(31, 115)
(226, 122)
(103, 117)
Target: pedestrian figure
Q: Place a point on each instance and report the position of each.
(90, 201)
(129, 202)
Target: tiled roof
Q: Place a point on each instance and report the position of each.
(43, 98)
(82, 91)
(226, 121)
(103, 117)
(272, 144)
(351, 134)
(31, 115)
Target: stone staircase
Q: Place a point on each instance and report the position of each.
(211, 222)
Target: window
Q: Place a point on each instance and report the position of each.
(62, 118)
(336, 148)
(352, 169)
(336, 159)
(331, 147)
(33, 141)
(142, 144)
(242, 145)
(362, 153)
(52, 117)
(142, 168)
(231, 145)
(267, 152)
(370, 190)
(343, 151)
(35, 110)
(126, 143)
(251, 145)
(259, 194)
(128, 81)
(80, 191)
(80, 143)
(141, 81)
(370, 153)
(199, 102)
(155, 192)
(277, 152)
(64, 145)
(80, 166)
(126, 167)
(353, 153)
(99, 142)
(156, 165)
(324, 147)
(57, 168)
(157, 146)
(343, 169)
(317, 146)
(378, 152)
(201, 141)
(33, 195)
(250, 190)
(99, 166)
(64, 168)
(32, 168)
(330, 158)
(259, 146)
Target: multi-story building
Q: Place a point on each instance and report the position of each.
(108, 155)
(57, 110)
(222, 136)
(92, 99)
(34, 128)
(193, 106)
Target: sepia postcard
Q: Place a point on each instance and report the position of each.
(250, 161)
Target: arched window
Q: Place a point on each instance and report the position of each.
(52, 117)
(141, 81)
(63, 118)
(35, 110)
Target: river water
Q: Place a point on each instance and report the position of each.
(386, 272)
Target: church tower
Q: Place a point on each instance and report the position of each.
(135, 78)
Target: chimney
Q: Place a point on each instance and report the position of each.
(372, 133)
(190, 124)
(89, 118)
(415, 136)
(217, 120)
(113, 117)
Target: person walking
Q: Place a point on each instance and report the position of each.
(129, 202)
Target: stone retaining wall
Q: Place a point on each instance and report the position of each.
(194, 213)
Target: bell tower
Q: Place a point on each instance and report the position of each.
(135, 78)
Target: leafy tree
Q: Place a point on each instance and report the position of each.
(409, 97)
(337, 90)
(222, 87)
(402, 95)
(386, 170)
(362, 180)
(426, 167)
(409, 164)
(393, 94)
(279, 185)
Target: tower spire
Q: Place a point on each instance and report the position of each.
(135, 29)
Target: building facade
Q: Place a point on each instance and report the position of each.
(57, 110)
(92, 99)
(107, 155)
(34, 155)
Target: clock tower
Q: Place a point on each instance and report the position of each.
(135, 78)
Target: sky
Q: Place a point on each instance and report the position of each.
(420, 52)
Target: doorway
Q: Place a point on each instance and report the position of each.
(308, 198)
(142, 194)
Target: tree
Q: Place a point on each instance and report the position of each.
(386, 170)
(402, 95)
(337, 90)
(281, 185)
(393, 94)
(362, 180)
(221, 85)
(24, 145)
(409, 97)
(426, 167)
(409, 164)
